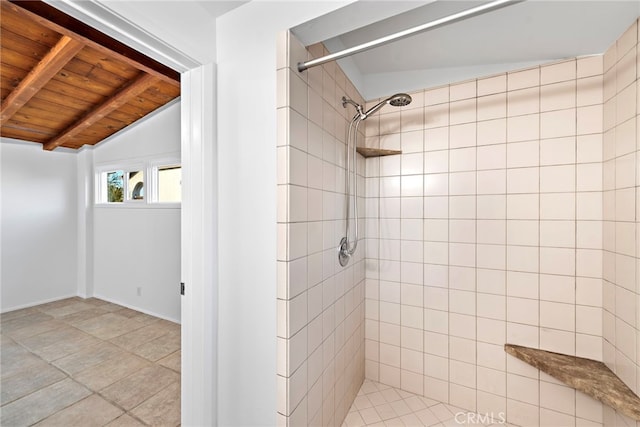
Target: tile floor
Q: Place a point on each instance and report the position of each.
(88, 362)
(384, 406)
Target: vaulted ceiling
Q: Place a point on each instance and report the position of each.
(64, 84)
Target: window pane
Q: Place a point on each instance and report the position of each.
(170, 184)
(136, 185)
(115, 185)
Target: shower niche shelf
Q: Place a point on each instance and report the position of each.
(376, 152)
(591, 377)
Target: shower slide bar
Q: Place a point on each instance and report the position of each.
(302, 66)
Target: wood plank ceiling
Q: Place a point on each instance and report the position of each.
(64, 84)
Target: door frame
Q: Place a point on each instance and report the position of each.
(199, 260)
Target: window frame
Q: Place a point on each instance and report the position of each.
(149, 169)
(154, 169)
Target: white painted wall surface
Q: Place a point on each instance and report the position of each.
(39, 236)
(84, 224)
(154, 135)
(246, 58)
(139, 247)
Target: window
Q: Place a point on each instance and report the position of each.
(140, 183)
(169, 184)
(120, 185)
(136, 186)
(115, 186)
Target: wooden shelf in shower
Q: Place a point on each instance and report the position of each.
(588, 376)
(376, 152)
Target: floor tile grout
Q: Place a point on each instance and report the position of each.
(377, 404)
(83, 346)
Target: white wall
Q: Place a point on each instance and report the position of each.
(39, 243)
(139, 246)
(246, 58)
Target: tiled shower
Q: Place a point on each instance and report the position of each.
(510, 217)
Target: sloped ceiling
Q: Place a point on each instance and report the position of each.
(64, 84)
(518, 35)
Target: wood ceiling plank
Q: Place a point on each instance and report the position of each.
(15, 23)
(50, 64)
(29, 127)
(66, 101)
(24, 135)
(87, 84)
(53, 19)
(83, 89)
(16, 42)
(138, 86)
(63, 89)
(40, 117)
(55, 109)
(18, 60)
(96, 72)
(108, 63)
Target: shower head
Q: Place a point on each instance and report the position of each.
(397, 100)
(400, 100)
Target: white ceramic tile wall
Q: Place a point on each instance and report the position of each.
(489, 229)
(320, 304)
(621, 238)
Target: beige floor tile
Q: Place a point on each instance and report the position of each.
(110, 307)
(125, 421)
(59, 303)
(172, 361)
(109, 326)
(81, 316)
(145, 319)
(110, 371)
(163, 409)
(71, 335)
(160, 347)
(24, 321)
(135, 389)
(14, 359)
(96, 302)
(67, 309)
(68, 343)
(11, 315)
(39, 405)
(89, 412)
(36, 329)
(88, 357)
(30, 379)
(140, 336)
(126, 312)
(45, 339)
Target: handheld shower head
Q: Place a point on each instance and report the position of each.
(400, 100)
(397, 100)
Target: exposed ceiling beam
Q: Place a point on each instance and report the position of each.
(138, 86)
(50, 17)
(61, 53)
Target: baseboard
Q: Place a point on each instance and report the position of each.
(32, 304)
(132, 307)
(45, 301)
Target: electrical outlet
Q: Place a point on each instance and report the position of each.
(139, 291)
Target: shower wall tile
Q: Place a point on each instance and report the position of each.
(320, 307)
(621, 294)
(510, 236)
